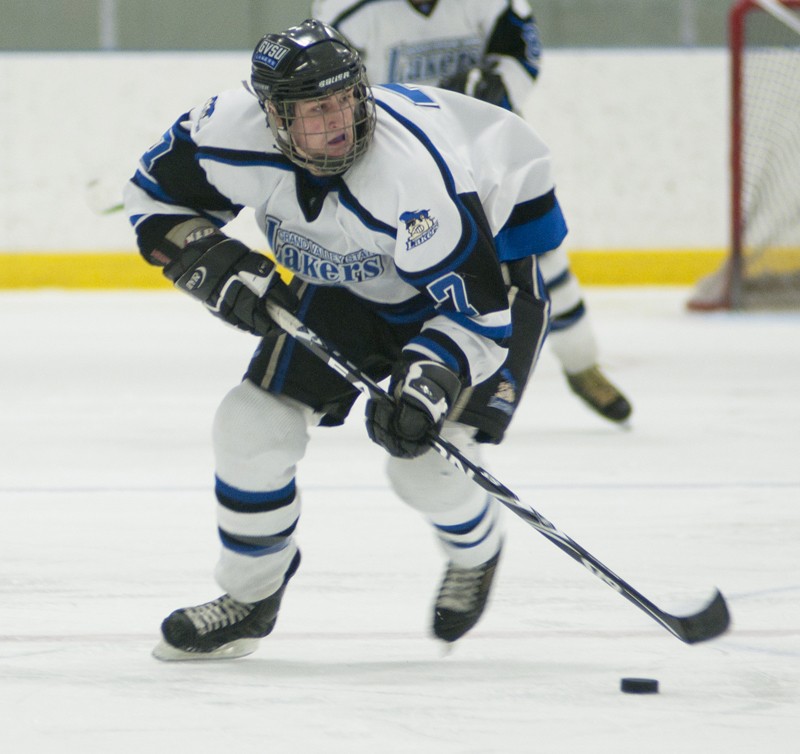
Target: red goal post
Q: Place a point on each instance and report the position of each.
(762, 269)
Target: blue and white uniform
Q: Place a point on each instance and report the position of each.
(425, 246)
(467, 191)
(402, 42)
(399, 42)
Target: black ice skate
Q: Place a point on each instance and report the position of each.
(221, 629)
(592, 386)
(462, 598)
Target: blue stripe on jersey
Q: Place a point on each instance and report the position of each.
(449, 264)
(349, 201)
(416, 309)
(493, 333)
(155, 191)
(419, 315)
(152, 189)
(530, 35)
(447, 176)
(537, 236)
(244, 158)
(410, 93)
(166, 144)
(469, 238)
(428, 344)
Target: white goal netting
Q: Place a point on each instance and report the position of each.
(763, 268)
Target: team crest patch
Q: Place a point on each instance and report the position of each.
(505, 396)
(420, 226)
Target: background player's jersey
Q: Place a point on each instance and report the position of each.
(449, 188)
(399, 43)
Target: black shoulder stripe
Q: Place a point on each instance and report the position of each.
(533, 209)
(175, 176)
(244, 157)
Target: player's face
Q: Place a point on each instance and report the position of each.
(324, 127)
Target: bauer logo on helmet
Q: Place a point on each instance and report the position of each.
(334, 79)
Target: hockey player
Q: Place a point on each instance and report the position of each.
(488, 49)
(411, 219)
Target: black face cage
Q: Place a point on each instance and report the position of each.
(281, 113)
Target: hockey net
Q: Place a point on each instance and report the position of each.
(762, 270)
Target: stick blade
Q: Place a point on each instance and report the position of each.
(712, 621)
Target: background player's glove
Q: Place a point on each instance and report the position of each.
(480, 81)
(231, 280)
(423, 393)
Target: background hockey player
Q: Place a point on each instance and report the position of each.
(412, 221)
(489, 49)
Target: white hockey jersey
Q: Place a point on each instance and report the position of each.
(400, 43)
(449, 188)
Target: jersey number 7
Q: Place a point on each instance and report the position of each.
(450, 287)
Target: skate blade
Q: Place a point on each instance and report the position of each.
(239, 648)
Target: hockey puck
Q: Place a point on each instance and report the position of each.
(639, 685)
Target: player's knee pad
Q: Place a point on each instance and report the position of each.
(259, 438)
(431, 484)
(467, 521)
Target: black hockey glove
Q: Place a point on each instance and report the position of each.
(480, 81)
(423, 393)
(231, 280)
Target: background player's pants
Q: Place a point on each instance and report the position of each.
(258, 440)
(571, 336)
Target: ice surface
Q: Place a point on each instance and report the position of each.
(106, 402)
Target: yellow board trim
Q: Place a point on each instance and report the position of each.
(90, 270)
(127, 270)
(645, 267)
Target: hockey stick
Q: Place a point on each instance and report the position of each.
(706, 624)
(104, 197)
